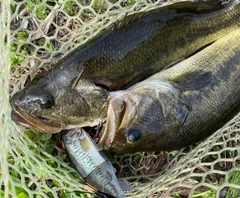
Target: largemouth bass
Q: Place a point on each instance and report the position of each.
(72, 93)
(92, 165)
(178, 106)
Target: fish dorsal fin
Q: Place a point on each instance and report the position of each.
(208, 5)
(125, 186)
(192, 81)
(198, 6)
(129, 18)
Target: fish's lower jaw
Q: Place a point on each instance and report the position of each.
(39, 123)
(108, 132)
(104, 144)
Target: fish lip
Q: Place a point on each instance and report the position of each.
(26, 120)
(106, 135)
(116, 111)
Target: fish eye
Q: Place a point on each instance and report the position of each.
(47, 102)
(134, 135)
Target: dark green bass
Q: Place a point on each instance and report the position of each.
(73, 93)
(178, 106)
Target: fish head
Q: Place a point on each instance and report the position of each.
(140, 118)
(50, 108)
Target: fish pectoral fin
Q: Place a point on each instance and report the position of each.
(192, 81)
(182, 115)
(198, 6)
(125, 186)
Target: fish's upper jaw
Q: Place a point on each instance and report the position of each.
(42, 124)
(29, 107)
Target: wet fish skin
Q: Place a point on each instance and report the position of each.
(83, 105)
(178, 106)
(147, 45)
(56, 100)
(92, 165)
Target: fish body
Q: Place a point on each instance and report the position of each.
(138, 49)
(178, 106)
(73, 93)
(92, 165)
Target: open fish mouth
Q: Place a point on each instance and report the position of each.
(41, 123)
(117, 116)
(107, 133)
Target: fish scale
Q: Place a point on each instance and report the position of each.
(221, 111)
(118, 58)
(206, 87)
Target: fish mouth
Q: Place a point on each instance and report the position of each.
(115, 120)
(41, 123)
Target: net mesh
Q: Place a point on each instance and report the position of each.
(34, 34)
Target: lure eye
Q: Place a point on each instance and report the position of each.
(134, 135)
(47, 102)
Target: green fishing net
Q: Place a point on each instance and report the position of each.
(36, 33)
